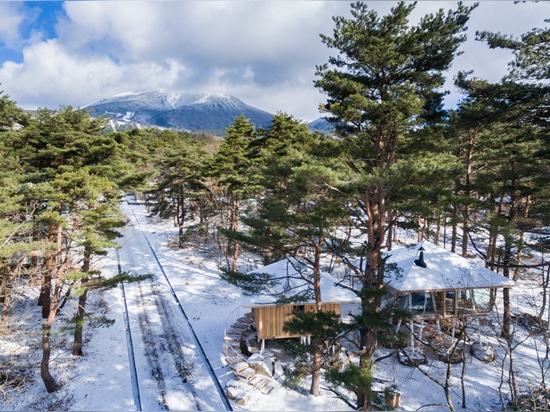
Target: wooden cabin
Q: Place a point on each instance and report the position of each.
(290, 281)
(432, 282)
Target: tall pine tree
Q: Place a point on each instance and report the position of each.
(230, 167)
(382, 84)
(515, 151)
(297, 211)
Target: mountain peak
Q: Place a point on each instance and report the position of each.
(211, 112)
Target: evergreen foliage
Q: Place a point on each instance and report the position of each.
(514, 158)
(230, 168)
(382, 86)
(397, 159)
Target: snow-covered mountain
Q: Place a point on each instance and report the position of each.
(322, 125)
(194, 112)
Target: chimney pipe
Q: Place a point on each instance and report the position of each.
(420, 261)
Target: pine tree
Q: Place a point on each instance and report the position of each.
(180, 167)
(96, 218)
(381, 86)
(70, 169)
(296, 212)
(515, 151)
(230, 167)
(16, 244)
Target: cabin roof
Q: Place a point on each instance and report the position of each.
(444, 271)
(289, 276)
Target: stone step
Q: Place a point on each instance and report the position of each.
(249, 315)
(245, 320)
(266, 390)
(234, 333)
(239, 366)
(231, 354)
(229, 350)
(246, 374)
(230, 339)
(259, 381)
(232, 360)
(234, 345)
(256, 380)
(239, 326)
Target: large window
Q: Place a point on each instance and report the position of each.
(419, 302)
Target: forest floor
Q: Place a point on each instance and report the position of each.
(177, 321)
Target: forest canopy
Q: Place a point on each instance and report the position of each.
(476, 175)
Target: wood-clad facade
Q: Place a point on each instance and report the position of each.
(292, 282)
(270, 319)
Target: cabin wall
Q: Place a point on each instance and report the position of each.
(270, 319)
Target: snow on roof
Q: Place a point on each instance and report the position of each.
(290, 277)
(444, 270)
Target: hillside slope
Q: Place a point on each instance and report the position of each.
(194, 112)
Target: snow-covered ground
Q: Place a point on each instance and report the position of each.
(171, 371)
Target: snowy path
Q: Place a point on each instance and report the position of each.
(171, 370)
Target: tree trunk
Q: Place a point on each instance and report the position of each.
(512, 383)
(79, 324)
(465, 230)
(368, 340)
(462, 383)
(391, 229)
(49, 382)
(34, 269)
(44, 299)
(492, 248)
(506, 312)
(361, 405)
(467, 193)
(315, 388)
(372, 278)
(545, 281)
(47, 378)
(6, 291)
(447, 387)
(180, 214)
(453, 231)
(81, 309)
(507, 260)
(437, 230)
(519, 255)
(235, 228)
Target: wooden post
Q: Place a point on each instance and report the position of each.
(398, 325)
(412, 337)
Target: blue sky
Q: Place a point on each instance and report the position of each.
(35, 17)
(263, 52)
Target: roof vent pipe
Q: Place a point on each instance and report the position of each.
(420, 261)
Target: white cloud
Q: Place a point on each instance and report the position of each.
(263, 52)
(63, 78)
(192, 46)
(11, 17)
